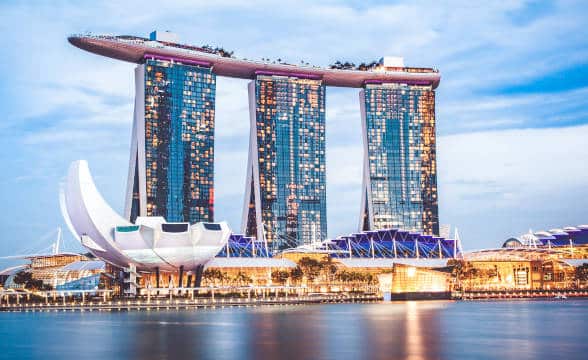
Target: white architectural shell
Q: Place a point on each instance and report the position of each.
(150, 243)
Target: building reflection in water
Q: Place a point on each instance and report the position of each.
(415, 348)
(403, 330)
(406, 330)
(215, 334)
(285, 333)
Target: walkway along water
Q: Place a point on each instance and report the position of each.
(184, 298)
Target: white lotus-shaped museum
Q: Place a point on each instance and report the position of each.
(148, 244)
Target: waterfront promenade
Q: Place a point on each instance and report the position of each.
(188, 298)
(519, 294)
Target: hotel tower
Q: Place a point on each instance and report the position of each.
(172, 148)
(285, 200)
(399, 167)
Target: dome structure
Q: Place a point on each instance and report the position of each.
(557, 237)
(512, 243)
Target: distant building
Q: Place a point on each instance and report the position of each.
(522, 268)
(7, 276)
(413, 282)
(63, 271)
(286, 183)
(568, 237)
(400, 168)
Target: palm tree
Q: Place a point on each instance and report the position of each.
(296, 274)
(242, 279)
(280, 276)
(214, 276)
(310, 267)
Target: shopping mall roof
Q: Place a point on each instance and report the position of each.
(250, 262)
(85, 265)
(135, 49)
(13, 270)
(514, 254)
(575, 262)
(558, 237)
(46, 256)
(389, 263)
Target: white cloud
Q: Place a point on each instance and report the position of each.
(525, 161)
(513, 179)
(232, 109)
(511, 111)
(231, 167)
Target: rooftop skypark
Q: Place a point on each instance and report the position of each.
(376, 65)
(346, 74)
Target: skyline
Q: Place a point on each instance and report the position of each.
(400, 166)
(75, 114)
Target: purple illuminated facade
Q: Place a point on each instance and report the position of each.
(392, 244)
(567, 237)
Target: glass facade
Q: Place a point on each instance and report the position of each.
(179, 142)
(86, 283)
(401, 176)
(290, 151)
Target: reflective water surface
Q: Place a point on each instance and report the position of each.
(403, 330)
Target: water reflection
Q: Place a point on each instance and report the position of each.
(414, 340)
(375, 331)
(403, 330)
(286, 333)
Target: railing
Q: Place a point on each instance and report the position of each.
(519, 294)
(189, 301)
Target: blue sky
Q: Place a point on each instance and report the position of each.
(511, 108)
